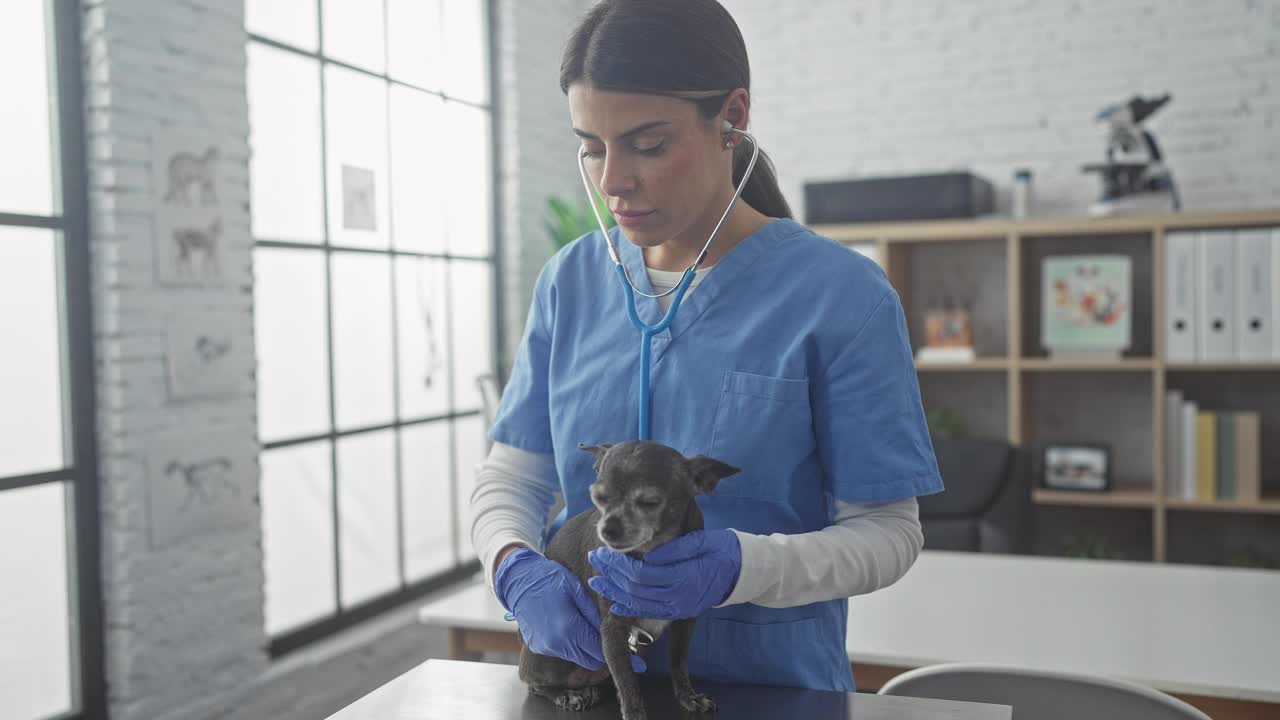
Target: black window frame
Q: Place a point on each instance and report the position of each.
(346, 617)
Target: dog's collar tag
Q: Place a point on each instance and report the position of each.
(637, 639)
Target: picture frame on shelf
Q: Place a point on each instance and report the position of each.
(1076, 467)
(1086, 306)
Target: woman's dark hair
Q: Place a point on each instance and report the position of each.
(682, 48)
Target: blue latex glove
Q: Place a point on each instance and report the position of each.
(556, 615)
(680, 579)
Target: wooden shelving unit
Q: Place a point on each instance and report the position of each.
(1001, 261)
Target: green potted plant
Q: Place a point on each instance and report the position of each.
(1089, 547)
(944, 424)
(569, 222)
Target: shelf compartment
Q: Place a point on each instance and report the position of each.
(1214, 538)
(972, 274)
(1106, 407)
(1137, 247)
(1127, 531)
(1123, 495)
(1238, 391)
(980, 399)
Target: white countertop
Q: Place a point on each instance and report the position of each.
(1178, 628)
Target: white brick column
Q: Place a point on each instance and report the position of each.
(537, 146)
(183, 616)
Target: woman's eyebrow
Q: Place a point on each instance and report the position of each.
(633, 131)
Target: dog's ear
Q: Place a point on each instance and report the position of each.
(708, 472)
(597, 450)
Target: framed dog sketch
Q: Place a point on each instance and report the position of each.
(359, 209)
(204, 354)
(197, 483)
(188, 209)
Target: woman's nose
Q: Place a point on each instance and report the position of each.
(616, 178)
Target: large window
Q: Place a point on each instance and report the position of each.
(372, 196)
(50, 627)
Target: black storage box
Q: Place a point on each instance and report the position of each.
(910, 197)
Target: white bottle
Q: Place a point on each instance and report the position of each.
(1021, 193)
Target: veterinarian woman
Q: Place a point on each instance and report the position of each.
(788, 358)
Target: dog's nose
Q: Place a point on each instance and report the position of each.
(612, 530)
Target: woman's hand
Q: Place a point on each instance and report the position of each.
(556, 615)
(679, 579)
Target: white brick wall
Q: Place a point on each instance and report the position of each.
(537, 146)
(847, 88)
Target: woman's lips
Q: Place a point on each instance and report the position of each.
(632, 218)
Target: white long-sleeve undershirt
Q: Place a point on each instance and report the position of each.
(868, 546)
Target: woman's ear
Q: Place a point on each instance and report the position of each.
(737, 108)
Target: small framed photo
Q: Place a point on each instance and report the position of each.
(1076, 467)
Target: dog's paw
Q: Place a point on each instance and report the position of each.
(580, 699)
(697, 702)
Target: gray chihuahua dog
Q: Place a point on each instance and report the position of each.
(644, 496)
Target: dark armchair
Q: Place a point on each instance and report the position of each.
(987, 503)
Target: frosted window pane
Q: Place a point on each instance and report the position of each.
(353, 33)
(284, 135)
(466, 45)
(423, 337)
(418, 169)
(289, 21)
(367, 512)
(362, 339)
(292, 343)
(31, 422)
(35, 637)
(297, 535)
(415, 49)
(469, 190)
(356, 117)
(472, 446)
(428, 522)
(472, 329)
(26, 175)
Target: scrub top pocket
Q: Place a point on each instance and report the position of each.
(763, 426)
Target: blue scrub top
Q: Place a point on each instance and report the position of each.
(790, 360)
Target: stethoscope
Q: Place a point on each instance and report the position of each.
(629, 288)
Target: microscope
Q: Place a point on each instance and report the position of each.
(1134, 177)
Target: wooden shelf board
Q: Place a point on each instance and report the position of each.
(1222, 366)
(1125, 495)
(995, 228)
(980, 364)
(1268, 505)
(1047, 365)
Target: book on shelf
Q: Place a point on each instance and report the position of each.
(1211, 455)
(1222, 295)
(1206, 455)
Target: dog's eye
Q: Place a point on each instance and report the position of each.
(648, 503)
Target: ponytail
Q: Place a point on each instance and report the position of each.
(762, 191)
